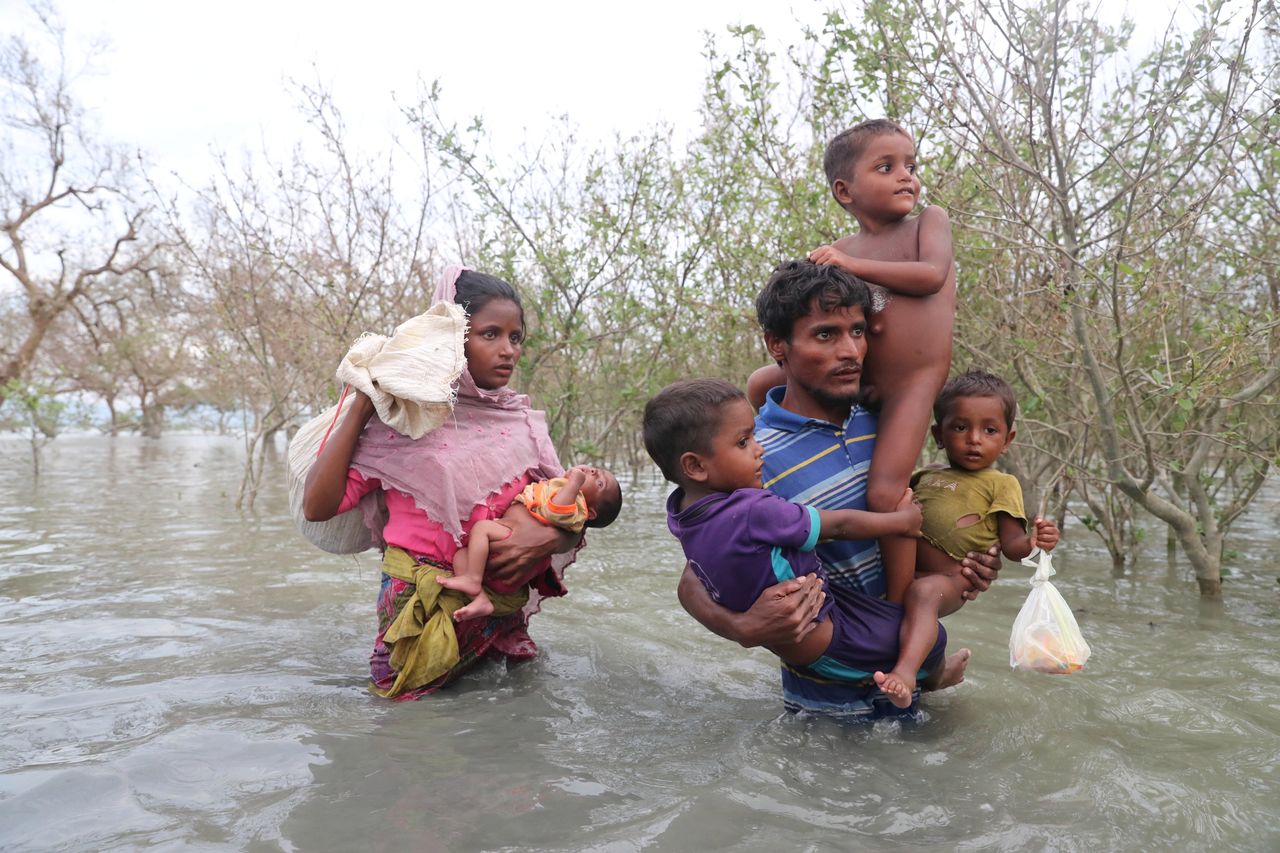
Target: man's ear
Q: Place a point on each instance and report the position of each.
(777, 348)
(1008, 441)
(936, 430)
(692, 468)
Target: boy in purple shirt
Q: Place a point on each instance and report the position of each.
(740, 539)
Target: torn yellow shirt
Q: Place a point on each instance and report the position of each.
(950, 494)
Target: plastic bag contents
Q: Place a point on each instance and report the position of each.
(1045, 635)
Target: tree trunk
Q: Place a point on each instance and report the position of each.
(1210, 588)
(1205, 557)
(17, 366)
(113, 427)
(153, 420)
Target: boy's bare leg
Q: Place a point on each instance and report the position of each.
(903, 425)
(468, 569)
(926, 598)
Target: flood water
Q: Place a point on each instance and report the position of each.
(175, 674)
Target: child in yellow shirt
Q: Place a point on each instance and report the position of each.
(967, 507)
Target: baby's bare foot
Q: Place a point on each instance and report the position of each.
(480, 606)
(953, 669)
(466, 585)
(897, 687)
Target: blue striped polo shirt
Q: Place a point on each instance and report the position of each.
(819, 464)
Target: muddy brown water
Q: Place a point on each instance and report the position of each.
(177, 675)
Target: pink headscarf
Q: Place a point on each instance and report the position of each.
(492, 438)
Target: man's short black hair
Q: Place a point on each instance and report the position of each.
(794, 286)
(976, 383)
(683, 418)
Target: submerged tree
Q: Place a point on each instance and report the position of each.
(69, 221)
(606, 247)
(292, 263)
(134, 347)
(34, 409)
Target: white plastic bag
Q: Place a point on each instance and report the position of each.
(1045, 635)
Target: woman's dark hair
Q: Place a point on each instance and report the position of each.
(477, 289)
(683, 418)
(793, 288)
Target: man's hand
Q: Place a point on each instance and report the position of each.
(783, 613)
(980, 570)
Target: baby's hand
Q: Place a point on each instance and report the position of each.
(912, 515)
(830, 256)
(1044, 534)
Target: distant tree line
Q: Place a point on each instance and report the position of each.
(1116, 210)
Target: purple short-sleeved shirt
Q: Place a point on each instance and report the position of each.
(740, 543)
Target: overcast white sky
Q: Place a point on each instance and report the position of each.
(183, 78)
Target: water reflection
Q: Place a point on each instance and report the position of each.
(176, 674)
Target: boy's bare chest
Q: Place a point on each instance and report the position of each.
(899, 244)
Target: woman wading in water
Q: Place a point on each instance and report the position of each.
(435, 489)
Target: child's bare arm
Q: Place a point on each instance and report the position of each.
(1016, 543)
(568, 493)
(922, 277)
(905, 520)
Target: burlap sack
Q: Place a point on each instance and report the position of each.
(342, 534)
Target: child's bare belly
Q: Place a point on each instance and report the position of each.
(911, 341)
(932, 560)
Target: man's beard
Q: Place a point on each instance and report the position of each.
(833, 401)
